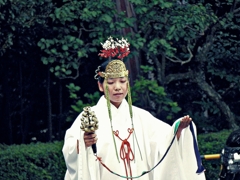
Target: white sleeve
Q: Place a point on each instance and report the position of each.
(186, 147)
(180, 161)
(80, 161)
(70, 155)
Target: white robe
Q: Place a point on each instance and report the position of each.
(153, 136)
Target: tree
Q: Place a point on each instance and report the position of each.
(176, 37)
(22, 23)
(181, 38)
(188, 52)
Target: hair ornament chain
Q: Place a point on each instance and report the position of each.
(97, 73)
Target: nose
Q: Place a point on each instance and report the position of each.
(117, 86)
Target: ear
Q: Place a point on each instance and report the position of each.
(100, 87)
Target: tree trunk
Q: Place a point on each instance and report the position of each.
(49, 103)
(133, 64)
(214, 96)
(60, 111)
(7, 128)
(199, 78)
(21, 102)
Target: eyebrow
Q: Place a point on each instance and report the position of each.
(116, 78)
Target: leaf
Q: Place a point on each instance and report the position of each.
(107, 18)
(57, 68)
(44, 60)
(54, 51)
(68, 72)
(65, 47)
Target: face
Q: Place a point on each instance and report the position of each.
(117, 88)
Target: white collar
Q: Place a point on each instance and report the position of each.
(121, 109)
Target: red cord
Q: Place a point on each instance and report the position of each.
(126, 152)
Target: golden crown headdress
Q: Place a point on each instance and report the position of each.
(111, 49)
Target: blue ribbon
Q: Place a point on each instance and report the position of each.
(197, 154)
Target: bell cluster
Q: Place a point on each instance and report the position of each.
(89, 121)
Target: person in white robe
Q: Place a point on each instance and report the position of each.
(131, 143)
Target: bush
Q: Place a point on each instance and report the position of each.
(212, 143)
(41, 161)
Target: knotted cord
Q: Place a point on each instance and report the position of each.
(126, 153)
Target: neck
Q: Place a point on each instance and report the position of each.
(116, 104)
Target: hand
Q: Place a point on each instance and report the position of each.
(90, 139)
(185, 121)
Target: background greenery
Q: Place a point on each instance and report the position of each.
(184, 60)
(41, 161)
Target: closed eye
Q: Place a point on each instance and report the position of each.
(110, 82)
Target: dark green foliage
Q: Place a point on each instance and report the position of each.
(212, 143)
(147, 93)
(21, 23)
(192, 48)
(32, 162)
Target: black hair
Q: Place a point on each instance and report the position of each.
(101, 68)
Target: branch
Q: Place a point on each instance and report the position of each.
(71, 77)
(236, 10)
(216, 98)
(144, 27)
(77, 72)
(179, 76)
(83, 28)
(178, 60)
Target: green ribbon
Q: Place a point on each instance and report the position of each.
(176, 126)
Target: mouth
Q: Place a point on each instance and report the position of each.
(117, 94)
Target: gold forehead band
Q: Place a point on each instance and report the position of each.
(115, 69)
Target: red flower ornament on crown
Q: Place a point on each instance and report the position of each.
(115, 48)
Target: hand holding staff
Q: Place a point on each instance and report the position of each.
(89, 123)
